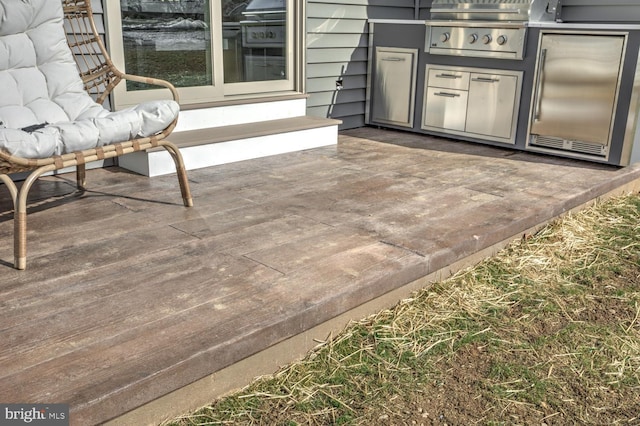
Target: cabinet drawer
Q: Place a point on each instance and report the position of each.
(448, 79)
(445, 108)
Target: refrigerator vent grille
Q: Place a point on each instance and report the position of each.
(547, 142)
(588, 148)
(567, 145)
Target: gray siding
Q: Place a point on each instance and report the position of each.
(98, 18)
(337, 40)
(98, 14)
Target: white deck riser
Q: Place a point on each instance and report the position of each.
(195, 157)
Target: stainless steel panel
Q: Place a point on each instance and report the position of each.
(394, 86)
(496, 10)
(492, 104)
(461, 38)
(487, 110)
(445, 109)
(499, 10)
(577, 86)
(448, 79)
(545, 10)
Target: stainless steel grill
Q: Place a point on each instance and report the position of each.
(484, 28)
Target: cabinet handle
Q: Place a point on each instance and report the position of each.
(447, 95)
(394, 59)
(485, 80)
(538, 98)
(448, 76)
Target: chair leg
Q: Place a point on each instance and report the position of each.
(13, 190)
(19, 222)
(20, 240)
(81, 177)
(181, 171)
(20, 218)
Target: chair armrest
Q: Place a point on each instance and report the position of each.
(155, 82)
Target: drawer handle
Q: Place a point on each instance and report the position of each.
(394, 59)
(447, 95)
(485, 80)
(448, 76)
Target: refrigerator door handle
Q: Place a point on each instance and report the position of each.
(540, 86)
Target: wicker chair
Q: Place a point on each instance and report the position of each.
(99, 77)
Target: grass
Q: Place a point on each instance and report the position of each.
(545, 332)
(167, 65)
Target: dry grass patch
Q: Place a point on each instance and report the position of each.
(546, 332)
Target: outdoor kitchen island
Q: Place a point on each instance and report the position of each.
(512, 75)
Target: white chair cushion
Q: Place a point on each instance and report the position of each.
(39, 83)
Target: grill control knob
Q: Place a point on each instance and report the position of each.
(502, 40)
(444, 37)
(486, 39)
(473, 38)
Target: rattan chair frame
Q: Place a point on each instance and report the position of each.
(100, 77)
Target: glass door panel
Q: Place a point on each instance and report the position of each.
(167, 39)
(254, 40)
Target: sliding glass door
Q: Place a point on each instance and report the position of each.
(209, 49)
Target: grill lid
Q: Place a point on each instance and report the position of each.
(495, 10)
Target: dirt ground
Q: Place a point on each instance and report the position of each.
(545, 333)
(464, 392)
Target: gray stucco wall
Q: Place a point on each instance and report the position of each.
(337, 40)
(424, 7)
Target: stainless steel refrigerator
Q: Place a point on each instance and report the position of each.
(575, 92)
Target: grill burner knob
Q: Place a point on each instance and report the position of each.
(473, 38)
(502, 39)
(444, 37)
(486, 39)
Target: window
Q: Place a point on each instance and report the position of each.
(210, 50)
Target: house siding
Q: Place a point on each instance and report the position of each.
(96, 5)
(98, 18)
(337, 49)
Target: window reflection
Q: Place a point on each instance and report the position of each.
(171, 39)
(254, 40)
(167, 39)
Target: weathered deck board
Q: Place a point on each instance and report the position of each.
(128, 295)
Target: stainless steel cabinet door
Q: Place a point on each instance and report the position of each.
(577, 86)
(491, 109)
(394, 86)
(445, 108)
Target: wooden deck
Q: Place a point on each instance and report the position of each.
(128, 296)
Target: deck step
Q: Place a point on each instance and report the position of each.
(227, 144)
